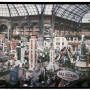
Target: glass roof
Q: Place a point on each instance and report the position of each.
(31, 9)
(86, 18)
(4, 10)
(48, 9)
(73, 12)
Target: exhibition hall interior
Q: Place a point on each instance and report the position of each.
(44, 45)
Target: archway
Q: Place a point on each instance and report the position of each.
(4, 30)
(6, 24)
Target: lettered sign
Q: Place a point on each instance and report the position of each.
(67, 75)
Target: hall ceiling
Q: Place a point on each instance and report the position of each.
(73, 12)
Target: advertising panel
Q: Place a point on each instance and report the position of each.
(67, 75)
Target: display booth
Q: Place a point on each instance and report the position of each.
(3, 60)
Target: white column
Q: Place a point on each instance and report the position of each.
(82, 37)
(33, 54)
(8, 32)
(11, 46)
(3, 46)
(22, 53)
(1, 40)
(30, 54)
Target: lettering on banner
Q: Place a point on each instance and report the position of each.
(67, 75)
(62, 74)
(70, 75)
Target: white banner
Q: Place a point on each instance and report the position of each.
(67, 75)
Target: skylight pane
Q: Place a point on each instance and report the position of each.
(31, 9)
(86, 18)
(39, 8)
(4, 10)
(71, 8)
(21, 9)
(48, 9)
(65, 6)
(66, 14)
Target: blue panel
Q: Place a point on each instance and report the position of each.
(14, 75)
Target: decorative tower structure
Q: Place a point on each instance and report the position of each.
(82, 65)
(32, 52)
(40, 41)
(22, 52)
(13, 47)
(19, 50)
(52, 65)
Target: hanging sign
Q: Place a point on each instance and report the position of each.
(67, 75)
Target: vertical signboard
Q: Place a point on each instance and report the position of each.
(31, 53)
(14, 75)
(32, 48)
(35, 52)
(13, 44)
